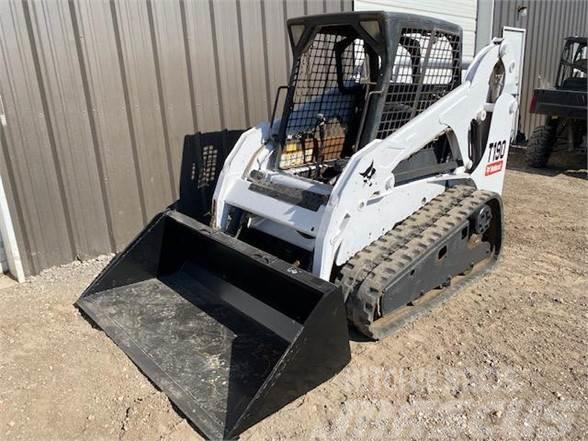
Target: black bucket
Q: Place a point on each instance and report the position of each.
(229, 333)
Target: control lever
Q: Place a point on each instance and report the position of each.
(321, 122)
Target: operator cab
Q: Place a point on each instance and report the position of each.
(357, 77)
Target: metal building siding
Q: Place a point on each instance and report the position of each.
(99, 94)
(31, 148)
(547, 24)
(3, 263)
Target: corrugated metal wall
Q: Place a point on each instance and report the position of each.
(3, 262)
(547, 23)
(98, 96)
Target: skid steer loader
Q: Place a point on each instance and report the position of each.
(373, 195)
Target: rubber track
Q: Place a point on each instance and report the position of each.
(367, 274)
(356, 269)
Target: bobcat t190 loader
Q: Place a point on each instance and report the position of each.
(372, 196)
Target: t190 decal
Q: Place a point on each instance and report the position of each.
(496, 152)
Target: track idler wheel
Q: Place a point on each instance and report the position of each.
(482, 220)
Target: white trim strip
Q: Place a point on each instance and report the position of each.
(9, 238)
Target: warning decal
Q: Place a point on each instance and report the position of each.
(493, 167)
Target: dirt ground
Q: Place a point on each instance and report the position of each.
(505, 359)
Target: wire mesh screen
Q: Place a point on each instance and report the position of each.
(327, 91)
(427, 66)
(203, 157)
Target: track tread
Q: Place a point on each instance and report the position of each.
(366, 275)
(361, 264)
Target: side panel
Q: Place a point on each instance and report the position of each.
(380, 213)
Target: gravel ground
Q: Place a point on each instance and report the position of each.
(505, 359)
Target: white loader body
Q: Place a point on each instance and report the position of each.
(360, 210)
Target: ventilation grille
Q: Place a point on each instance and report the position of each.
(427, 66)
(208, 173)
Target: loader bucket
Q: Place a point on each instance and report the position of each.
(230, 333)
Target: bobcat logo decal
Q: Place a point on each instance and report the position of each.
(368, 174)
